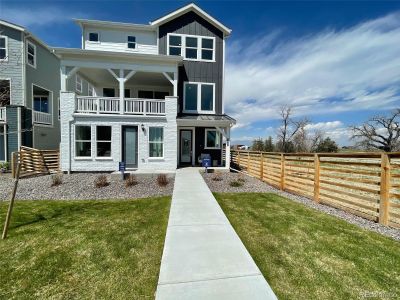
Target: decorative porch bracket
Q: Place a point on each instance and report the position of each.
(66, 75)
(174, 81)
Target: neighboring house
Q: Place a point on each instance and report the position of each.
(29, 92)
(148, 95)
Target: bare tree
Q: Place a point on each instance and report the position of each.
(316, 139)
(380, 132)
(289, 129)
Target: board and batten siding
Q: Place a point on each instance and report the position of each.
(198, 71)
(12, 68)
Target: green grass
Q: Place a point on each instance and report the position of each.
(83, 249)
(305, 254)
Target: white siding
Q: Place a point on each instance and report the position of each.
(116, 40)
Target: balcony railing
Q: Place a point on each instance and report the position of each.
(111, 105)
(42, 118)
(2, 114)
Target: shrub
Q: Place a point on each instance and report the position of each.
(217, 176)
(236, 183)
(162, 180)
(241, 179)
(56, 179)
(101, 181)
(131, 180)
(4, 165)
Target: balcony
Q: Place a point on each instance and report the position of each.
(111, 105)
(42, 118)
(2, 114)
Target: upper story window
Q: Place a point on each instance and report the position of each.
(91, 91)
(78, 84)
(3, 48)
(192, 47)
(31, 54)
(199, 97)
(131, 42)
(5, 89)
(94, 37)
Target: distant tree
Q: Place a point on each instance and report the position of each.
(327, 145)
(258, 145)
(315, 140)
(379, 132)
(269, 145)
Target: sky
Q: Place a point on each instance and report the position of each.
(335, 62)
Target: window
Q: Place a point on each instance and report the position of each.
(93, 37)
(199, 97)
(156, 142)
(152, 94)
(91, 91)
(108, 92)
(83, 145)
(41, 103)
(31, 54)
(78, 84)
(192, 47)
(213, 139)
(131, 42)
(3, 48)
(103, 141)
(127, 93)
(160, 95)
(5, 89)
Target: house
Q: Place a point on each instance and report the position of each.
(149, 95)
(29, 92)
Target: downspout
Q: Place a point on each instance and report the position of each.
(69, 146)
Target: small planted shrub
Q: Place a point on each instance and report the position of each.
(4, 167)
(217, 176)
(241, 179)
(56, 179)
(101, 181)
(236, 183)
(162, 180)
(131, 180)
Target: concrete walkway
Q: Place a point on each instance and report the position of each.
(203, 256)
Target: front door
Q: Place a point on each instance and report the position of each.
(186, 147)
(130, 146)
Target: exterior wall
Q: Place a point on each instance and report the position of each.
(47, 76)
(210, 72)
(12, 129)
(71, 84)
(68, 121)
(116, 40)
(13, 67)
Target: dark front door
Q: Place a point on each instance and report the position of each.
(186, 147)
(130, 146)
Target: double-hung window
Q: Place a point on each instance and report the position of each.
(199, 97)
(83, 141)
(212, 139)
(103, 141)
(41, 103)
(192, 47)
(156, 142)
(131, 42)
(78, 84)
(3, 48)
(31, 54)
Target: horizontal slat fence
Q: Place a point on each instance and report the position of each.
(35, 162)
(365, 184)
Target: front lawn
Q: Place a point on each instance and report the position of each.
(306, 254)
(83, 249)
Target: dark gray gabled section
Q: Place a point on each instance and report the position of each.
(193, 24)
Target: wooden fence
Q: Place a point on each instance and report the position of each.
(365, 184)
(35, 162)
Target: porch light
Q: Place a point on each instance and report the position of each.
(143, 128)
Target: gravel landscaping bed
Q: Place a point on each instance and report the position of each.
(255, 185)
(80, 186)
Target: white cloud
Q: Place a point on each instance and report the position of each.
(329, 72)
(324, 126)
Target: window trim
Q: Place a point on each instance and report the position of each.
(103, 141)
(34, 56)
(127, 43)
(5, 47)
(205, 139)
(83, 141)
(93, 42)
(76, 83)
(163, 143)
(199, 46)
(198, 111)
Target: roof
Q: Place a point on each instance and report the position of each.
(120, 25)
(206, 118)
(194, 8)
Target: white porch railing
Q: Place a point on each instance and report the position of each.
(2, 114)
(111, 105)
(42, 118)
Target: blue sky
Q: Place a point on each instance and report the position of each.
(335, 62)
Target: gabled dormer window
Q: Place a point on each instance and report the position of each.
(3, 48)
(192, 47)
(94, 37)
(131, 42)
(31, 54)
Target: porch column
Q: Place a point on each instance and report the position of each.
(121, 81)
(175, 84)
(228, 148)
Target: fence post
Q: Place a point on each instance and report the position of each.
(248, 161)
(238, 159)
(316, 177)
(282, 171)
(384, 191)
(13, 163)
(261, 166)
